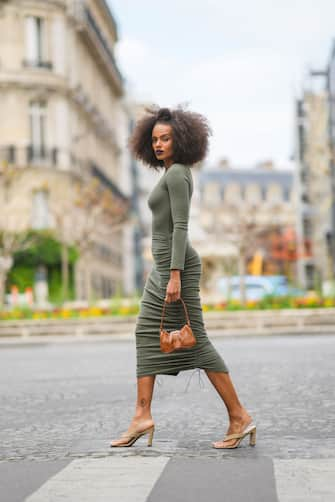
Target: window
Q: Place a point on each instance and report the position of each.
(275, 193)
(307, 227)
(287, 194)
(264, 193)
(40, 210)
(252, 193)
(37, 116)
(233, 193)
(36, 42)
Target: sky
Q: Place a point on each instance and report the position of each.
(241, 63)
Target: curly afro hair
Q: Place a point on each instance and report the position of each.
(190, 133)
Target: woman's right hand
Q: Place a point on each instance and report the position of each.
(173, 289)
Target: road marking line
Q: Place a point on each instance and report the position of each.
(305, 480)
(131, 479)
(107, 479)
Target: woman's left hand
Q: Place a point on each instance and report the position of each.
(173, 289)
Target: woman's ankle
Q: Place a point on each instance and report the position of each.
(238, 414)
(142, 415)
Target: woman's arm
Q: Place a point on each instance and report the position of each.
(179, 193)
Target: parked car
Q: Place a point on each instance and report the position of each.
(256, 287)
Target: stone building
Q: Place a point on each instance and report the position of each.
(242, 208)
(64, 121)
(313, 190)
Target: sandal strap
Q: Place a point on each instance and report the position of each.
(125, 438)
(238, 435)
(234, 436)
(130, 435)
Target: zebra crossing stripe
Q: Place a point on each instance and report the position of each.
(141, 479)
(106, 479)
(305, 480)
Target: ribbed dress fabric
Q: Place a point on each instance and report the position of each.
(169, 202)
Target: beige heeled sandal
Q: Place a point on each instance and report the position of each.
(131, 438)
(250, 429)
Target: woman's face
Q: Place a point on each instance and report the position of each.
(162, 142)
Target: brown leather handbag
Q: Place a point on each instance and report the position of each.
(179, 338)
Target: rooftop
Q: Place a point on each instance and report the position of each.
(263, 177)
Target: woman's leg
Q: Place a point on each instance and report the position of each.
(142, 418)
(145, 389)
(238, 415)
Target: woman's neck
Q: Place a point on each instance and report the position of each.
(168, 163)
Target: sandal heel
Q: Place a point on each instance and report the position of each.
(252, 441)
(151, 435)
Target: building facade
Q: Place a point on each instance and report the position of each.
(64, 123)
(313, 190)
(242, 213)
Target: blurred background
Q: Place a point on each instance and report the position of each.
(75, 75)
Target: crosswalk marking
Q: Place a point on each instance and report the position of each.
(108, 479)
(305, 480)
(162, 478)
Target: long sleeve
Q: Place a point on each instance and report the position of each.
(179, 193)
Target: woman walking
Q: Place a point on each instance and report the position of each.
(172, 141)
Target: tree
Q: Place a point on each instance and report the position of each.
(93, 211)
(13, 234)
(46, 250)
(244, 231)
(100, 215)
(10, 243)
(283, 249)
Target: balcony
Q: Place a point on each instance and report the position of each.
(88, 26)
(46, 65)
(21, 157)
(41, 155)
(31, 156)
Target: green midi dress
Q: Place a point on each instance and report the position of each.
(169, 202)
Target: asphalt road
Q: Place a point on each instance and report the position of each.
(62, 403)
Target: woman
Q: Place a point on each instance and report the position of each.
(173, 141)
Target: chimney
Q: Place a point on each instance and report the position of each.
(224, 163)
(266, 165)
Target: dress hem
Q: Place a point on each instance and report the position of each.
(176, 374)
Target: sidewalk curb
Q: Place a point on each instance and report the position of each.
(130, 337)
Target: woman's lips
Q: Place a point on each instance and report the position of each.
(159, 152)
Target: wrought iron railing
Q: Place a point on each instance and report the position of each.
(12, 154)
(37, 64)
(103, 42)
(31, 155)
